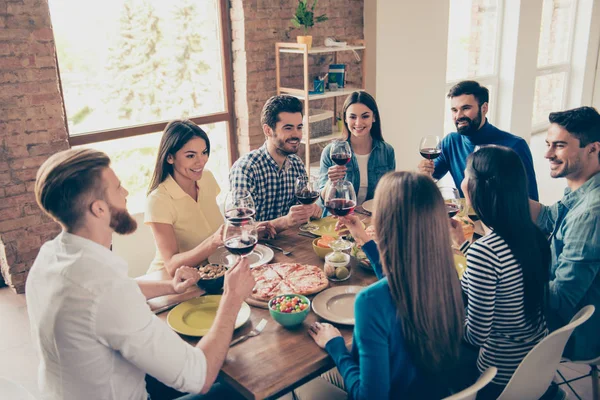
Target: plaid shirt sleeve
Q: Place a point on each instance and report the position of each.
(241, 177)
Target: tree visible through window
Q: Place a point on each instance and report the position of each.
(125, 64)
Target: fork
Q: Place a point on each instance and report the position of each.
(254, 332)
(285, 252)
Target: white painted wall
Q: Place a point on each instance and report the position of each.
(411, 72)
(370, 23)
(137, 249)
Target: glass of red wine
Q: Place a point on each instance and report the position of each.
(239, 206)
(340, 200)
(307, 192)
(429, 147)
(240, 238)
(340, 152)
(454, 204)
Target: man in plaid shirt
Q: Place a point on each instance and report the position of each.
(270, 172)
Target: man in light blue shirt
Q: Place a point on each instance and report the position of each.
(573, 223)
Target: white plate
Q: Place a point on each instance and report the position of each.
(261, 255)
(337, 304)
(368, 205)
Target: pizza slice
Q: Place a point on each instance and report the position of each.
(285, 269)
(308, 281)
(266, 280)
(282, 288)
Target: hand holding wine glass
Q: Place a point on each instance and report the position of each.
(340, 199)
(241, 237)
(430, 149)
(307, 193)
(340, 154)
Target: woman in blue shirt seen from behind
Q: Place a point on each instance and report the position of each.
(409, 324)
(371, 158)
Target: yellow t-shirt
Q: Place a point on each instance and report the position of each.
(193, 221)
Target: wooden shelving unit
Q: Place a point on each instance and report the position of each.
(303, 93)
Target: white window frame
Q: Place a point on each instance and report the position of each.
(564, 67)
(492, 79)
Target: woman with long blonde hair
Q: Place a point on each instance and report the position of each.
(409, 324)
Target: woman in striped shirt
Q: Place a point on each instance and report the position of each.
(506, 280)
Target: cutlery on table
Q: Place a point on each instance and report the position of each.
(285, 252)
(308, 234)
(165, 308)
(257, 330)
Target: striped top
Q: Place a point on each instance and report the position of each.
(496, 321)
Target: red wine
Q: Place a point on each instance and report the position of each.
(237, 245)
(452, 209)
(307, 196)
(340, 207)
(240, 214)
(430, 153)
(341, 159)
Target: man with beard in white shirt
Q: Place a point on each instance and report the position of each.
(94, 333)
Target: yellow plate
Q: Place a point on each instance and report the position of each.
(195, 317)
(326, 226)
(460, 263)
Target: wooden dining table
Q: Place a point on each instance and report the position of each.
(279, 359)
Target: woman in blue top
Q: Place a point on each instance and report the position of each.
(371, 158)
(409, 324)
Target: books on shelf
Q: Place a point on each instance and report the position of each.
(337, 76)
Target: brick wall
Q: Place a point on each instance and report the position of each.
(31, 128)
(256, 26)
(32, 124)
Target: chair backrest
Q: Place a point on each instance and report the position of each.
(13, 391)
(535, 373)
(470, 393)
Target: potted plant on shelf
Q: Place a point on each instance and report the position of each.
(305, 18)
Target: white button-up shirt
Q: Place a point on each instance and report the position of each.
(94, 333)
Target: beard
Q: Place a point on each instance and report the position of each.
(121, 221)
(280, 145)
(574, 166)
(472, 124)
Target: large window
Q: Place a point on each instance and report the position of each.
(127, 67)
(554, 60)
(473, 47)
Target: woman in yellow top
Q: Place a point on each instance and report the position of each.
(181, 207)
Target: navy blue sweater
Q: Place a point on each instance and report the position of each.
(456, 148)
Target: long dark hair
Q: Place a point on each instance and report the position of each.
(176, 134)
(497, 188)
(415, 248)
(365, 98)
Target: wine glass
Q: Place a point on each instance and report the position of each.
(239, 205)
(340, 200)
(340, 152)
(307, 193)
(429, 147)
(454, 204)
(240, 238)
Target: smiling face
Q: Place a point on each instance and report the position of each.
(563, 151)
(287, 133)
(467, 115)
(359, 120)
(188, 163)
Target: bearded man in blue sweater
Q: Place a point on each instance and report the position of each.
(469, 106)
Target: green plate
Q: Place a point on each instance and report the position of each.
(326, 226)
(195, 317)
